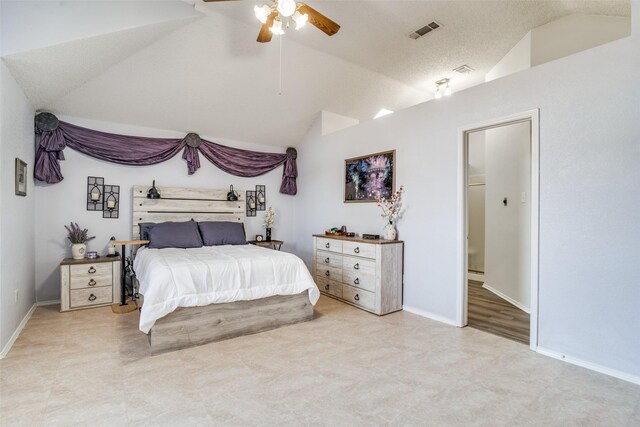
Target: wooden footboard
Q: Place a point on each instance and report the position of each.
(187, 327)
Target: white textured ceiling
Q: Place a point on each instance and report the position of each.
(209, 76)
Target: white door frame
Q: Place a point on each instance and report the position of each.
(463, 223)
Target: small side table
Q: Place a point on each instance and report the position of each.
(273, 244)
(123, 295)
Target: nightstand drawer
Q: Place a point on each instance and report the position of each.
(99, 278)
(91, 270)
(89, 297)
(359, 297)
(366, 250)
(331, 245)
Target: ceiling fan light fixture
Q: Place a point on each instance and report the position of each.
(287, 7)
(300, 19)
(276, 28)
(438, 93)
(262, 12)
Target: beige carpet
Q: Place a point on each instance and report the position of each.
(345, 368)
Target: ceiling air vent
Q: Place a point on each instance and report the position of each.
(463, 69)
(424, 30)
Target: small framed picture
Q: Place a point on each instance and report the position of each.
(21, 178)
(259, 238)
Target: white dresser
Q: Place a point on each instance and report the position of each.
(88, 283)
(364, 273)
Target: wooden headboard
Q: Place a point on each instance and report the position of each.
(184, 204)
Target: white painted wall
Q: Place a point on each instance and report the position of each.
(332, 122)
(575, 33)
(29, 25)
(61, 203)
(17, 241)
(589, 203)
(562, 37)
(508, 228)
(518, 59)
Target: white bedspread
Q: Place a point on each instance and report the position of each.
(172, 278)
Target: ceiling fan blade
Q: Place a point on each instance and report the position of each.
(265, 35)
(317, 19)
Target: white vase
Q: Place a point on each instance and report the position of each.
(78, 250)
(391, 232)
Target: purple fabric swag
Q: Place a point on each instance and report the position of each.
(142, 151)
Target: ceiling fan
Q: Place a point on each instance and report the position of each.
(277, 13)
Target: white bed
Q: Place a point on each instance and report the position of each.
(172, 278)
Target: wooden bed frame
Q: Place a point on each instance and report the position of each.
(190, 326)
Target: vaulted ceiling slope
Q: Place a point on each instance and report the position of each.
(208, 75)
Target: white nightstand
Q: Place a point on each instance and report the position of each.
(88, 283)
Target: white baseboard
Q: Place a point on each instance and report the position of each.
(506, 298)
(19, 329)
(475, 276)
(591, 366)
(50, 302)
(429, 315)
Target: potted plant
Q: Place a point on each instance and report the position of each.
(391, 212)
(269, 219)
(78, 238)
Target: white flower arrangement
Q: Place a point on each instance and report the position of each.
(392, 208)
(269, 217)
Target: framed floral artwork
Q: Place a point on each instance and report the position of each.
(369, 178)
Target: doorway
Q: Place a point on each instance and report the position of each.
(498, 227)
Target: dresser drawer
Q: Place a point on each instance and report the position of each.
(329, 272)
(329, 259)
(366, 250)
(359, 297)
(330, 287)
(364, 266)
(360, 280)
(91, 275)
(330, 245)
(92, 296)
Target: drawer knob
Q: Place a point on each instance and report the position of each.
(357, 266)
(327, 273)
(92, 282)
(326, 260)
(92, 297)
(327, 246)
(326, 287)
(91, 270)
(357, 250)
(357, 297)
(356, 281)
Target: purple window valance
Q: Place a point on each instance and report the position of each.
(142, 151)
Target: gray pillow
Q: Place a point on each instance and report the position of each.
(144, 229)
(174, 235)
(216, 233)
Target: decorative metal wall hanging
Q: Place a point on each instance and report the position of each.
(261, 197)
(95, 193)
(251, 203)
(111, 201)
(232, 195)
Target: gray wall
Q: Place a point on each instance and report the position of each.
(589, 201)
(17, 239)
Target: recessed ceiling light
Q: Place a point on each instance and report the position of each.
(383, 112)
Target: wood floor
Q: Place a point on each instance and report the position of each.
(492, 314)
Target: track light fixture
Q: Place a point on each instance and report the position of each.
(442, 87)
